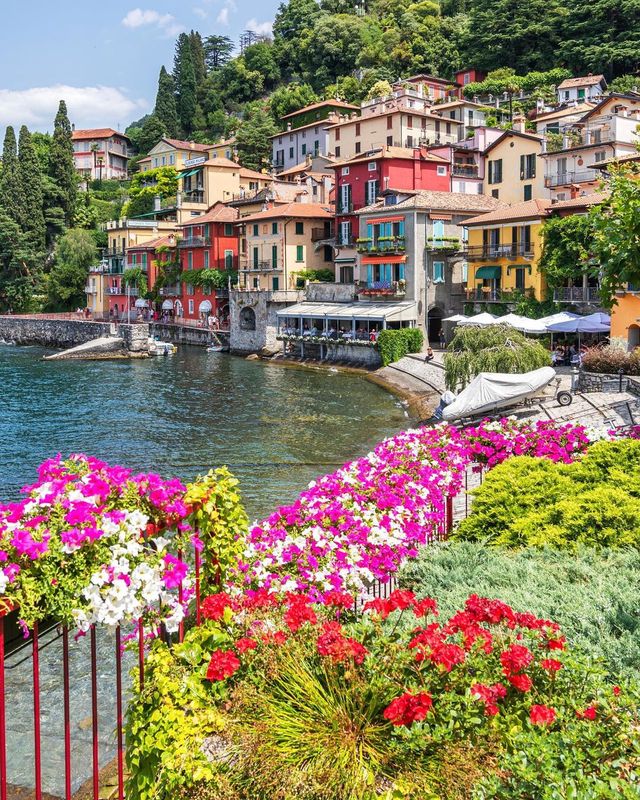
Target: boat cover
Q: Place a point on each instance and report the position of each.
(493, 390)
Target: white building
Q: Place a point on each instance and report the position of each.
(580, 90)
(101, 153)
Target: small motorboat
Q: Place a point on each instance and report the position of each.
(489, 392)
(215, 348)
(158, 348)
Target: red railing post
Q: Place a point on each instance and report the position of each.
(180, 599)
(3, 729)
(141, 654)
(37, 759)
(119, 715)
(197, 565)
(94, 714)
(67, 716)
(449, 517)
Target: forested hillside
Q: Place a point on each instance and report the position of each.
(343, 47)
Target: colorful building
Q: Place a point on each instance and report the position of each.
(360, 180)
(625, 318)
(580, 90)
(513, 169)
(280, 242)
(101, 153)
(467, 160)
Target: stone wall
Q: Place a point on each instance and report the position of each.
(182, 334)
(64, 333)
(330, 292)
(253, 319)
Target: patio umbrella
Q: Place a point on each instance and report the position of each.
(593, 323)
(480, 319)
(524, 324)
(455, 318)
(562, 316)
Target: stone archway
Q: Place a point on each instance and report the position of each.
(247, 319)
(436, 315)
(633, 337)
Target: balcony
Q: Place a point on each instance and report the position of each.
(175, 290)
(346, 241)
(320, 234)
(132, 291)
(396, 244)
(484, 294)
(464, 170)
(195, 241)
(383, 290)
(443, 244)
(88, 289)
(577, 294)
(567, 178)
(493, 252)
(258, 266)
(344, 208)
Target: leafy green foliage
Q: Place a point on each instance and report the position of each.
(184, 76)
(159, 182)
(495, 348)
(75, 252)
(395, 344)
(592, 593)
(505, 79)
(252, 142)
(313, 275)
(136, 277)
(624, 84)
(213, 278)
(290, 98)
(568, 249)
(536, 502)
(62, 165)
(166, 110)
(218, 50)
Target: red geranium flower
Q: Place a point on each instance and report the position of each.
(616, 690)
(223, 664)
(338, 599)
(408, 708)
(522, 682)
(515, 658)
(297, 614)
(447, 655)
(542, 715)
(246, 643)
(551, 664)
(556, 644)
(589, 713)
(425, 606)
(401, 599)
(337, 647)
(214, 605)
(380, 606)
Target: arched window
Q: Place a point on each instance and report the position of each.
(633, 339)
(247, 319)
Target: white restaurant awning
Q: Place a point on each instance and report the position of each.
(394, 312)
(167, 305)
(141, 303)
(204, 307)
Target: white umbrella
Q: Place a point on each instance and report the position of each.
(524, 324)
(593, 323)
(455, 318)
(142, 303)
(480, 319)
(204, 307)
(562, 316)
(167, 305)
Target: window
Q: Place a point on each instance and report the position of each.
(290, 137)
(172, 159)
(345, 198)
(248, 315)
(528, 194)
(206, 259)
(389, 123)
(299, 228)
(190, 259)
(274, 227)
(357, 129)
(316, 147)
(409, 141)
(442, 170)
(372, 192)
(357, 147)
(437, 126)
(275, 283)
(255, 230)
(299, 252)
(345, 171)
(291, 152)
(528, 167)
(520, 278)
(495, 171)
(465, 271)
(191, 306)
(256, 257)
(304, 150)
(389, 141)
(495, 193)
(274, 256)
(438, 271)
(228, 259)
(256, 285)
(164, 160)
(228, 229)
(371, 166)
(304, 134)
(337, 152)
(467, 78)
(600, 155)
(279, 139)
(409, 121)
(337, 134)
(345, 233)
(580, 94)
(438, 231)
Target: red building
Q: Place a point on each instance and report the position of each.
(210, 242)
(360, 180)
(149, 257)
(465, 76)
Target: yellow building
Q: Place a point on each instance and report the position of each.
(280, 242)
(514, 170)
(503, 252)
(226, 149)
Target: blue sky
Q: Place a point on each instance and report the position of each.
(102, 58)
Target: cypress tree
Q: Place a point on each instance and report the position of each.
(184, 77)
(11, 196)
(165, 109)
(198, 56)
(31, 182)
(62, 167)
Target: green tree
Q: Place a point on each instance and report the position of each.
(30, 177)
(238, 84)
(199, 58)
(616, 225)
(184, 77)
(165, 110)
(331, 48)
(145, 186)
(379, 89)
(293, 21)
(625, 83)
(75, 252)
(152, 131)
(217, 50)
(252, 138)
(62, 165)
(11, 196)
(20, 271)
(261, 57)
(567, 253)
(291, 97)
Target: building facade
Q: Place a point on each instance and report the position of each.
(101, 154)
(514, 170)
(580, 90)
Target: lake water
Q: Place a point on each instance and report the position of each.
(276, 428)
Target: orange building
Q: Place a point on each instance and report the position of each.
(625, 317)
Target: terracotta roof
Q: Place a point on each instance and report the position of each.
(303, 210)
(322, 104)
(416, 112)
(224, 143)
(146, 158)
(391, 152)
(218, 212)
(179, 144)
(580, 108)
(588, 80)
(97, 133)
(583, 201)
(441, 201)
(423, 76)
(218, 161)
(628, 159)
(629, 96)
(531, 209)
(453, 103)
(153, 244)
(537, 137)
(324, 123)
(251, 173)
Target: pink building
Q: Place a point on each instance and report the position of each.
(101, 153)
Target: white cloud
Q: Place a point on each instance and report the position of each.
(200, 12)
(261, 28)
(88, 106)
(223, 16)
(138, 18)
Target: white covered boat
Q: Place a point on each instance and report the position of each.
(158, 348)
(491, 391)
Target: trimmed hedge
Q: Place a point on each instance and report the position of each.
(395, 344)
(593, 594)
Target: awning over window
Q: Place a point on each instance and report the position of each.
(167, 305)
(397, 312)
(488, 273)
(141, 303)
(189, 173)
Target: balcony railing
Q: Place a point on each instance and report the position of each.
(344, 208)
(383, 289)
(443, 244)
(171, 291)
(488, 295)
(566, 178)
(465, 170)
(494, 251)
(195, 241)
(395, 245)
(319, 234)
(132, 291)
(346, 241)
(259, 266)
(88, 289)
(576, 294)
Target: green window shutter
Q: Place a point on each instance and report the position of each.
(275, 283)
(299, 252)
(274, 227)
(255, 230)
(274, 256)
(255, 257)
(528, 194)
(299, 228)
(438, 271)
(522, 163)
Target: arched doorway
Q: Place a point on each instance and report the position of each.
(633, 337)
(247, 319)
(435, 316)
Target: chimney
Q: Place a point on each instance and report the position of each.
(574, 191)
(288, 126)
(73, 126)
(519, 123)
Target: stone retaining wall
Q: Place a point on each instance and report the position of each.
(182, 334)
(65, 333)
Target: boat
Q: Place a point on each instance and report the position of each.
(491, 391)
(159, 348)
(215, 348)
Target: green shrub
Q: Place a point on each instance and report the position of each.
(528, 501)
(593, 594)
(396, 344)
(610, 360)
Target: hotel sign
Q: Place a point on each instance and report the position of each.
(192, 162)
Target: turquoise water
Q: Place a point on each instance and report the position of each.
(276, 428)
